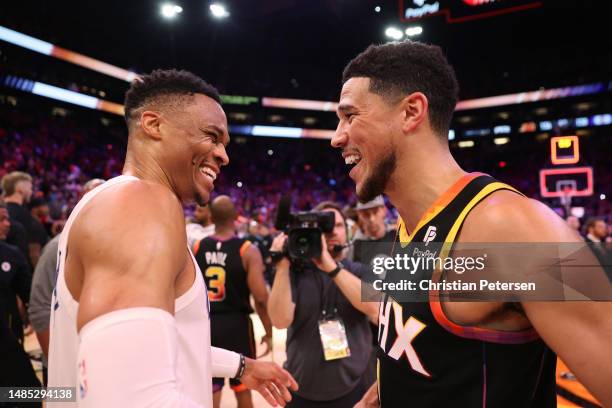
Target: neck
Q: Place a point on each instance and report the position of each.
(15, 198)
(224, 231)
(380, 233)
(145, 167)
(425, 170)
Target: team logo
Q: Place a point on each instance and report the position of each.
(430, 235)
(6, 267)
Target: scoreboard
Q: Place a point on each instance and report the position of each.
(457, 11)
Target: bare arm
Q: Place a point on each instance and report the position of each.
(280, 305)
(148, 251)
(257, 285)
(562, 325)
(123, 257)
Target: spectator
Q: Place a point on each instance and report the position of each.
(201, 225)
(596, 230)
(17, 190)
(373, 233)
(39, 210)
(314, 298)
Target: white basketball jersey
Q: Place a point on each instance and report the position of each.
(193, 369)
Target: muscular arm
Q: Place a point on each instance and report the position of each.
(124, 259)
(562, 325)
(148, 251)
(257, 285)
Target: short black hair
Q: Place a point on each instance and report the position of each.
(398, 69)
(165, 87)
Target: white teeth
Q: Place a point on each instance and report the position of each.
(208, 172)
(352, 159)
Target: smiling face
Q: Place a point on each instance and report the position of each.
(366, 134)
(193, 147)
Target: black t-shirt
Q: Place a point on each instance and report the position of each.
(38, 233)
(18, 237)
(364, 250)
(15, 279)
(322, 380)
(34, 230)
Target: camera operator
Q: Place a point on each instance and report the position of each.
(328, 339)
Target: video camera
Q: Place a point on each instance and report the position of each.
(303, 231)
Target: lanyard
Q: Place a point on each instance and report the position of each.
(329, 304)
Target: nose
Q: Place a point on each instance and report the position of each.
(340, 138)
(221, 155)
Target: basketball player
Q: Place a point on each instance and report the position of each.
(233, 269)
(130, 323)
(395, 109)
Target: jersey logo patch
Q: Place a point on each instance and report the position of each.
(430, 234)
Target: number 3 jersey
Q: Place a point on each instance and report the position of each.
(426, 360)
(226, 279)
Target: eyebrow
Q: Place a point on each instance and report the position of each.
(219, 131)
(344, 108)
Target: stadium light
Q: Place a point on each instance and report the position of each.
(394, 33)
(170, 10)
(466, 143)
(377, 9)
(218, 10)
(414, 31)
(501, 140)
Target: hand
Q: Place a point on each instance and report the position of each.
(370, 398)
(267, 340)
(278, 244)
(271, 381)
(325, 262)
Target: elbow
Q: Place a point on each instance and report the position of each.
(281, 320)
(281, 323)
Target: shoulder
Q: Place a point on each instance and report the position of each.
(134, 216)
(508, 216)
(132, 201)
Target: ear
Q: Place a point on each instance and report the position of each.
(150, 122)
(415, 108)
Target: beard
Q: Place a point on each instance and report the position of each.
(377, 182)
(199, 199)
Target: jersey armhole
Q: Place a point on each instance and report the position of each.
(475, 332)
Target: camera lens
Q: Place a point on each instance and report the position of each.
(302, 245)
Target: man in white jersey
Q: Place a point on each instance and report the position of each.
(130, 324)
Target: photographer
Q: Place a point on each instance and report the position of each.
(328, 338)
